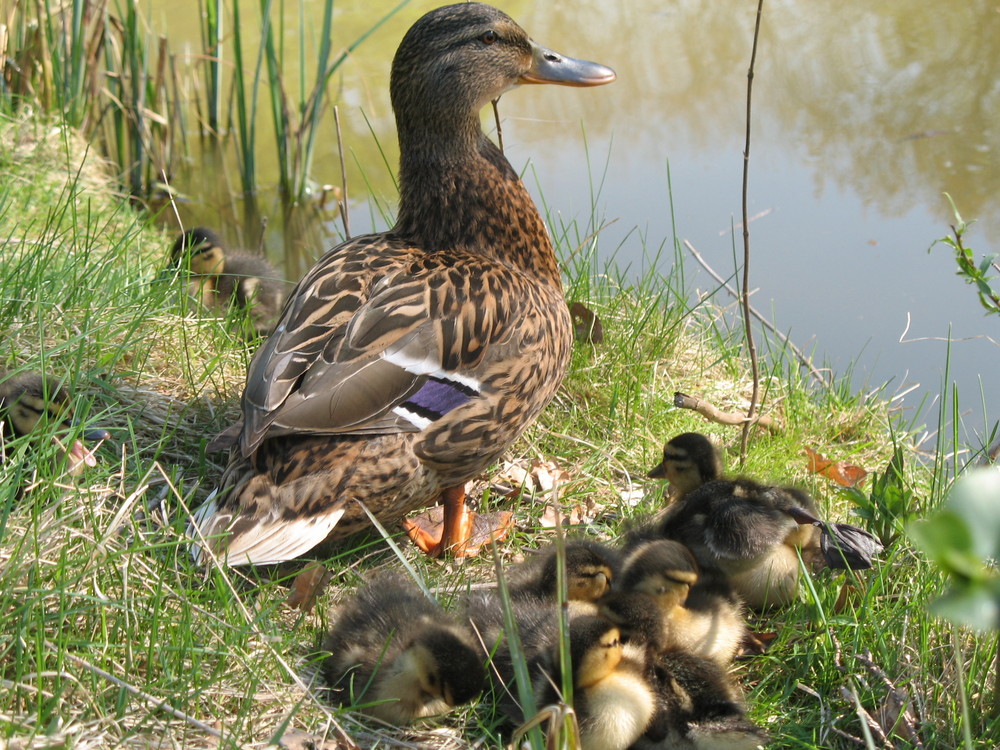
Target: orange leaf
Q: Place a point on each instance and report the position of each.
(841, 472)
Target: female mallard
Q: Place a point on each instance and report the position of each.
(30, 399)
(222, 278)
(405, 362)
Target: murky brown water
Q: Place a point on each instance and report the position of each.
(864, 114)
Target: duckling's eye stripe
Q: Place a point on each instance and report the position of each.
(435, 398)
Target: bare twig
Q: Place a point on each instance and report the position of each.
(715, 414)
(342, 203)
(897, 713)
(747, 323)
(496, 116)
(796, 352)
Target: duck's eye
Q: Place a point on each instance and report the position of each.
(489, 37)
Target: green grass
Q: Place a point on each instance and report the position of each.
(110, 636)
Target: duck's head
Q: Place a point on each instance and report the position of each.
(596, 649)
(689, 461)
(31, 400)
(663, 569)
(589, 571)
(203, 249)
(435, 672)
(456, 59)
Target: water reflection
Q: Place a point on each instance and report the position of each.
(864, 114)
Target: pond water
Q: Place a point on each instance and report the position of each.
(864, 115)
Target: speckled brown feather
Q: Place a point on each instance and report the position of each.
(464, 293)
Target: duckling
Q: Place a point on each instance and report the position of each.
(613, 700)
(699, 706)
(699, 614)
(398, 656)
(406, 362)
(222, 278)
(30, 399)
(689, 461)
(590, 569)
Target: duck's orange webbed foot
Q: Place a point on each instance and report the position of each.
(454, 529)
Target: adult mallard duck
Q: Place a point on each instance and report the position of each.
(405, 362)
(223, 278)
(30, 399)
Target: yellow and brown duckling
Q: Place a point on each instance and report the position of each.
(406, 362)
(30, 400)
(697, 614)
(612, 696)
(590, 569)
(223, 278)
(689, 461)
(398, 656)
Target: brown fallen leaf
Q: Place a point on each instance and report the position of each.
(841, 472)
(307, 586)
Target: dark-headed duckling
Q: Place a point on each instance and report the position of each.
(699, 707)
(406, 362)
(689, 461)
(31, 399)
(398, 656)
(223, 278)
(590, 570)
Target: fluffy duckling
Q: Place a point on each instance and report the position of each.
(699, 707)
(689, 461)
(398, 656)
(699, 614)
(222, 278)
(31, 399)
(612, 697)
(590, 570)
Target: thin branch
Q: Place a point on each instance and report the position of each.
(747, 323)
(796, 352)
(715, 414)
(496, 116)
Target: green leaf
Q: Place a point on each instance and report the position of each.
(976, 607)
(975, 498)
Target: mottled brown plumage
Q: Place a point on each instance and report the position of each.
(406, 362)
(223, 278)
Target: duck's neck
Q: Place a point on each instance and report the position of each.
(457, 190)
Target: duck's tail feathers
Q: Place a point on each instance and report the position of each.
(242, 540)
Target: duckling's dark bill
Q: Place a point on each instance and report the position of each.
(551, 67)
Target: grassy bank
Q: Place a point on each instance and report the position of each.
(110, 636)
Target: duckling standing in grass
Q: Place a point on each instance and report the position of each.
(31, 399)
(222, 278)
(406, 362)
(398, 656)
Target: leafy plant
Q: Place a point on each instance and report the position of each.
(889, 504)
(975, 272)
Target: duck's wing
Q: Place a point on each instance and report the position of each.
(741, 527)
(372, 340)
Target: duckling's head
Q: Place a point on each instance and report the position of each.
(596, 649)
(637, 616)
(663, 569)
(438, 670)
(589, 571)
(203, 251)
(457, 58)
(30, 400)
(689, 461)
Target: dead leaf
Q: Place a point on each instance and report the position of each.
(293, 740)
(841, 472)
(307, 586)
